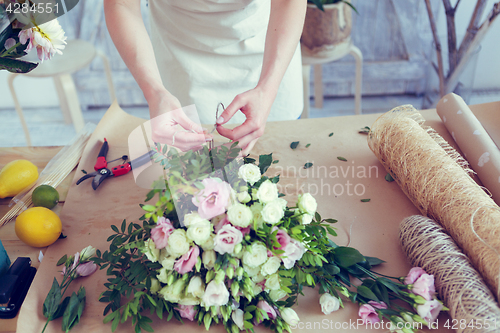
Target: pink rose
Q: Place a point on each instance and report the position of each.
(282, 237)
(187, 311)
(186, 263)
(226, 239)
(429, 311)
(414, 274)
(213, 199)
(86, 269)
(293, 252)
(424, 286)
(161, 232)
(269, 309)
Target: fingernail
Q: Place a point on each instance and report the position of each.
(208, 139)
(220, 120)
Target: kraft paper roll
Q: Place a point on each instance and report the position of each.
(474, 141)
(459, 285)
(432, 175)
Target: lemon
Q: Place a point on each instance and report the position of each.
(45, 196)
(38, 226)
(16, 176)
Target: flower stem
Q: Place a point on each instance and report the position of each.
(7, 52)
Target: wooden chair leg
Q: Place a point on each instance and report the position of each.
(318, 86)
(19, 110)
(69, 89)
(358, 56)
(63, 102)
(306, 76)
(107, 69)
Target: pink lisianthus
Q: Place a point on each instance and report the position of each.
(429, 311)
(293, 252)
(269, 309)
(226, 239)
(424, 286)
(76, 261)
(186, 263)
(225, 221)
(161, 232)
(368, 313)
(86, 269)
(213, 199)
(282, 237)
(414, 274)
(187, 311)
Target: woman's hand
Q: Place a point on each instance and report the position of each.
(171, 125)
(256, 105)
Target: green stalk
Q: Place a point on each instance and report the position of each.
(7, 52)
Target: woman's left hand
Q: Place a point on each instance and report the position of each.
(256, 105)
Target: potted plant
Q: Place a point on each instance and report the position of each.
(327, 28)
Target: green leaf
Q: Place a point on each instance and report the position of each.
(389, 178)
(365, 200)
(367, 293)
(294, 144)
(61, 308)
(347, 256)
(374, 261)
(52, 300)
(331, 220)
(17, 66)
(330, 135)
(307, 146)
(75, 307)
(308, 165)
(340, 158)
(264, 162)
(62, 260)
(85, 172)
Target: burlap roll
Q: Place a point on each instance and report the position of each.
(432, 175)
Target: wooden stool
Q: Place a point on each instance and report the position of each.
(318, 82)
(77, 55)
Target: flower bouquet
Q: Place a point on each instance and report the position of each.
(221, 245)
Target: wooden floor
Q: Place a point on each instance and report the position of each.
(47, 127)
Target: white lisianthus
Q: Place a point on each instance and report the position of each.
(252, 271)
(273, 212)
(47, 38)
(255, 255)
(307, 204)
(216, 294)
(86, 253)
(155, 286)
(237, 316)
(249, 173)
(277, 294)
(196, 287)
(293, 252)
(150, 250)
(187, 300)
(290, 316)
(306, 218)
(256, 209)
(168, 263)
(178, 243)
(173, 293)
(268, 191)
(199, 231)
(271, 266)
(273, 282)
(209, 258)
(162, 274)
(329, 303)
(244, 197)
(239, 215)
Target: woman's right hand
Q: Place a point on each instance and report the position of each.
(170, 124)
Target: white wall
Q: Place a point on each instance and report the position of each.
(41, 92)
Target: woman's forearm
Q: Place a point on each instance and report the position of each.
(283, 34)
(126, 27)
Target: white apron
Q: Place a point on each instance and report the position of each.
(209, 51)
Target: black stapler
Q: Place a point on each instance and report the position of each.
(14, 285)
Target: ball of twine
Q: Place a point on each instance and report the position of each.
(459, 285)
(436, 179)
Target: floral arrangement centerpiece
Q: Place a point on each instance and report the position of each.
(221, 245)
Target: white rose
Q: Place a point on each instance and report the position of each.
(251, 271)
(173, 292)
(307, 203)
(237, 315)
(209, 258)
(249, 173)
(199, 231)
(239, 215)
(293, 252)
(273, 212)
(196, 287)
(162, 275)
(268, 191)
(244, 197)
(168, 263)
(271, 266)
(290, 316)
(191, 218)
(258, 278)
(178, 243)
(329, 303)
(306, 218)
(216, 294)
(209, 243)
(273, 282)
(226, 239)
(255, 255)
(150, 250)
(155, 286)
(277, 294)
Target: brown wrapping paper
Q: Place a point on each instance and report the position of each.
(476, 143)
(338, 186)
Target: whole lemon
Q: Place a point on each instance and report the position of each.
(16, 176)
(45, 196)
(38, 226)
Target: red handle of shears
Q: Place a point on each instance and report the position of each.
(121, 169)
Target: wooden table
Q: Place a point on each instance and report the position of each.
(40, 156)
